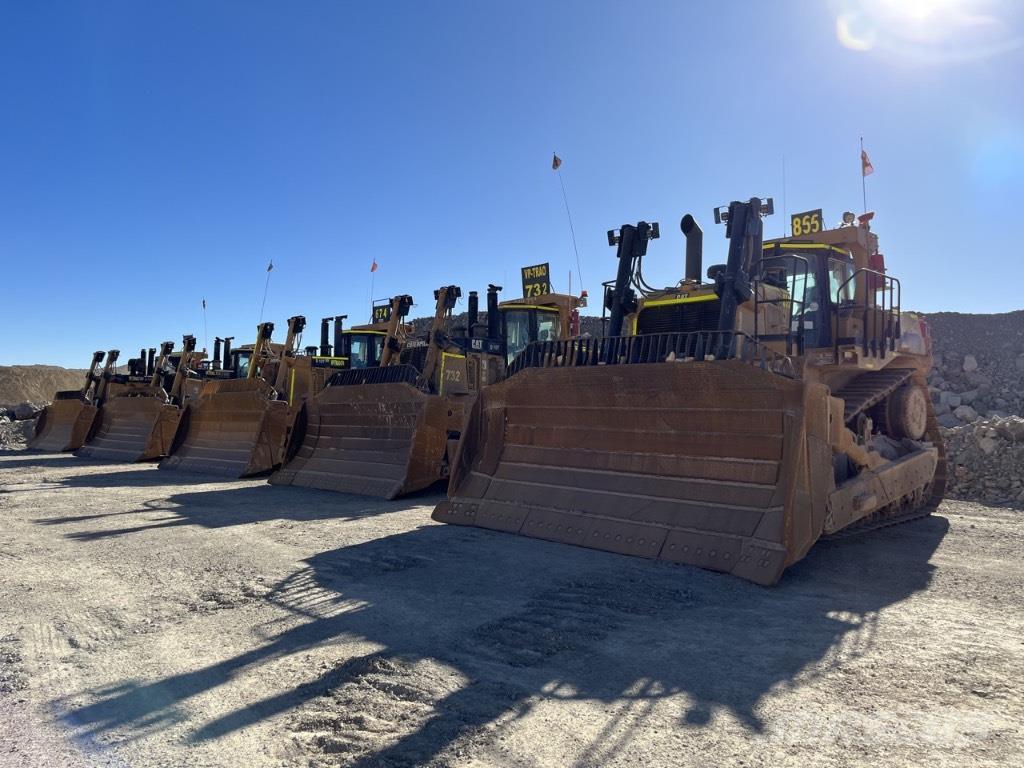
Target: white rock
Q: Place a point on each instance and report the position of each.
(970, 363)
(988, 445)
(965, 413)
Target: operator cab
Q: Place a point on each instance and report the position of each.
(240, 364)
(819, 279)
(523, 323)
(362, 348)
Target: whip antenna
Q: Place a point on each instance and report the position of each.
(270, 268)
(556, 166)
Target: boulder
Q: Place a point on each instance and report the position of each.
(970, 363)
(1011, 429)
(948, 420)
(965, 413)
(25, 411)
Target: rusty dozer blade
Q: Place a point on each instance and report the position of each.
(718, 464)
(64, 424)
(137, 427)
(382, 440)
(234, 428)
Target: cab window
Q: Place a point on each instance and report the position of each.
(517, 331)
(840, 285)
(547, 326)
(242, 366)
(360, 352)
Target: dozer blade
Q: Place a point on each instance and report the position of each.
(719, 464)
(233, 428)
(63, 425)
(132, 428)
(382, 440)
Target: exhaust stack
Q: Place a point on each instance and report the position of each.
(325, 343)
(694, 247)
(339, 323)
(150, 361)
(227, 350)
(473, 313)
(493, 319)
(217, 341)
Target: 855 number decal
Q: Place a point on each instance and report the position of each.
(806, 223)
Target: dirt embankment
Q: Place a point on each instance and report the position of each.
(36, 384)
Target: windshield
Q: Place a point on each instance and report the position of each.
(517, 331)
(525, 325)
(242, 365)
(364, 350)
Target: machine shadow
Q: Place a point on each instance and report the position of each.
(523, 619)
(16, 458)
(254, 502)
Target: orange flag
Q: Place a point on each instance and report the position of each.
(866, 168)
(373, 267)
(556, 162)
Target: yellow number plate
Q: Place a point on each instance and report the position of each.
(536, 281)
(806, 223)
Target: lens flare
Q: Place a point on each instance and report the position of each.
(931, 30)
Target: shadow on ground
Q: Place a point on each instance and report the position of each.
(254, 502)
(516, 620)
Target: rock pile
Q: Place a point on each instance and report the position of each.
(15, 434)
(986, 460)
(977, 387)
(22, 411)
(979, 366)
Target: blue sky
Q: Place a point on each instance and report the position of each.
(155, 154)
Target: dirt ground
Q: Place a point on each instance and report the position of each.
(150, 618)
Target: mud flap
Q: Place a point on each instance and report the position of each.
(383, 440)
(716, 464)
(232, 429)
(133, 428)
(64, 425)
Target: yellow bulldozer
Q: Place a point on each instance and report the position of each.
(139, 412)
(388, 429)
(726, 424)
(239, 423)
(65, 424)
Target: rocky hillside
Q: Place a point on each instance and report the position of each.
(979, 365)
(976, 387)
(35, 383)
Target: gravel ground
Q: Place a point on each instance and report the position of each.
(149, 618)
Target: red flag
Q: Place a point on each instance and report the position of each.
(866, 168)
(373, 267)
(556, 162)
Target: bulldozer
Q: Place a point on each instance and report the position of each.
(140, 410)
(388, 429)
(238, 425)
(727, 424)
(65, 424)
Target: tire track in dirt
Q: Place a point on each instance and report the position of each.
(392, 710)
